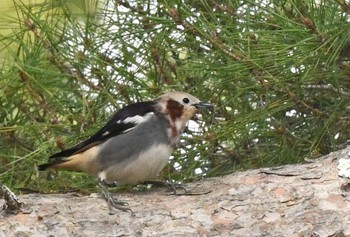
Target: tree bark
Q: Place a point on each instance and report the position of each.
(294, 200)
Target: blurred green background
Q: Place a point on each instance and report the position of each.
(277, 71)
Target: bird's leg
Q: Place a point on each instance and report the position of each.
(112, 203)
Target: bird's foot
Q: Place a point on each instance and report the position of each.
(173, 187)
(176, 188)
(113, 204)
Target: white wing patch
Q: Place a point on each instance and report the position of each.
(138, 118)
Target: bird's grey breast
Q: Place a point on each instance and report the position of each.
(138, 154)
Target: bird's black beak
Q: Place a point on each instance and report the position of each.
(203, 105)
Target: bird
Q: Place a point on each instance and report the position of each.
(134, 145)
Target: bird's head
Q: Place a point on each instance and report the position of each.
(179, 107)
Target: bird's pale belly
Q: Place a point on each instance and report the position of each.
(145, 167)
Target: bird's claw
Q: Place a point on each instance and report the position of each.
(173, 187)
(113, 204)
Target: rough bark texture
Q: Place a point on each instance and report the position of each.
(293, 200)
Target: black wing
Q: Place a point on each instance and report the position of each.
(114, 127)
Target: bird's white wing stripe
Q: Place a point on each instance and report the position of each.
(139, 119)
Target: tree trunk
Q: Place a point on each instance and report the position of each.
(294, 200)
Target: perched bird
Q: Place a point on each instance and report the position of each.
(134, 145)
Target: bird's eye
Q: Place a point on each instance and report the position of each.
(186, 100)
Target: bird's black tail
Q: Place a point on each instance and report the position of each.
(49, 165)
(43, 167)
